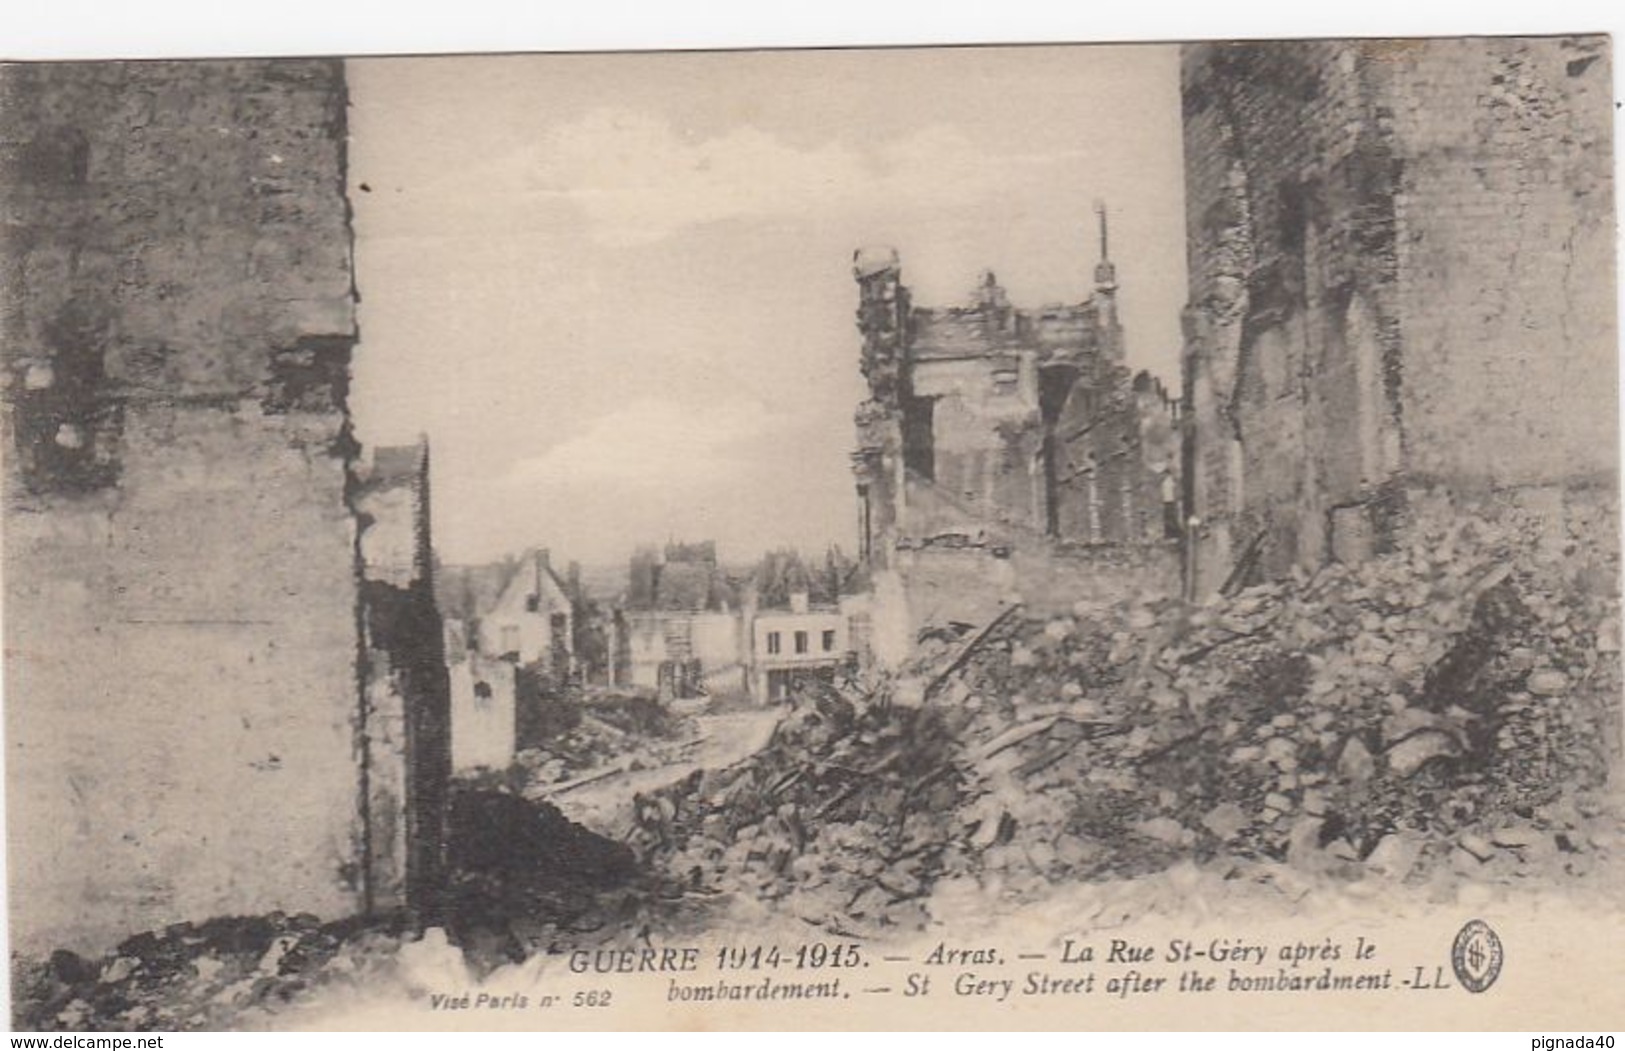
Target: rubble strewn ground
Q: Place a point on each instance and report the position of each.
(1448, 707)
(1442, 719)
(1445, 713)
(845, 816)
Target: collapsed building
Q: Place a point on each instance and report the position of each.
(1403, 473)
(995, 439)
(1395, 250)
(220, 696)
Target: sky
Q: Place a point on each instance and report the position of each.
(615, 291)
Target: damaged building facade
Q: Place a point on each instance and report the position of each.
(205, 714)
(1386, 248)
(681, 631)
(994, 436)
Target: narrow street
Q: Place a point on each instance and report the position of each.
(602, 799)
(843, 544)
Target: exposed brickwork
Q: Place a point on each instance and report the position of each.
(1385, 243)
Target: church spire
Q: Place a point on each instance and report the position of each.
(1105, 272)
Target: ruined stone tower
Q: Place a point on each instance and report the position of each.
(994, 434)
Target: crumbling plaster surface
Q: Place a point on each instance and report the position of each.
(180, 580)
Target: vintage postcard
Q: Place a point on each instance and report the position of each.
(1069, 537)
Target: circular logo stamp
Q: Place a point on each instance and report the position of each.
(1477, 956)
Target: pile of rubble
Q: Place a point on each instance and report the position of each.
(1444, 713)
(1446, 709)
(195, 976)
(843, 819)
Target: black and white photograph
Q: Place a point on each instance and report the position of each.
(1088, 536)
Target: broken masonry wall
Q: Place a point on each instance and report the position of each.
(180, 587)
(687, 586)
(719, 642)
(937, 586)
(1383, 243)
(620, 649)
(1097, 486)
(889, 630)
(1504, 202)
(406, 690)
(1104, 489)
(992, 430)
(983, 449)
(978, 369)
(985, 419)
(716, 640)
(883, 318)
(1098, 575)
(1160, 432)
(1291, 255)
(646, 647)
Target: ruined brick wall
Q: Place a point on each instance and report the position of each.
(1384, 248)
(1105, 490)
(1505, 207)
(180, 576)
(1055, 581)
(1160, 434)
(942, 585)
(938, 586)
(982, 448)
(988, 419)
(883, 318)
(405, 722)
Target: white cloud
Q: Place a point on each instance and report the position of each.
(639, 180)
(654, 443)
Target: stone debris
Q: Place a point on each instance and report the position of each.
(1414, 715)
(187, 976)
(844, 817)
(1377, 717)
